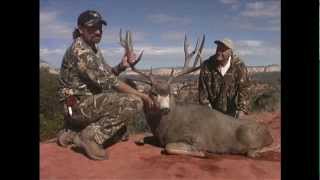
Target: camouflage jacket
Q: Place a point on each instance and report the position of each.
(84, 72)
(227, 93)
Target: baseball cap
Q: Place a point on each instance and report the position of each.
(90, 18)
(226, 41)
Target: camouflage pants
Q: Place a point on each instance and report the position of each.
(104, 114)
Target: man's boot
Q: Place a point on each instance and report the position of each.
(125, 136)
(65, 137)
(85, 140)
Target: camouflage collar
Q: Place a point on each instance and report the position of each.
(86, 46)
(234, 60)
(212, 65)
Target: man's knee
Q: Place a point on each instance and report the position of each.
(82, 115)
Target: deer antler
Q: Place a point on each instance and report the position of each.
(128, 46)
(198, 57)
(127, 43)
(188, 56)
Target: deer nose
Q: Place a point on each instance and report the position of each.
(165, 110)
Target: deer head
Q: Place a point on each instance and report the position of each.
(160, 90)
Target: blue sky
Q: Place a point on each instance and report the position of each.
(158, 27)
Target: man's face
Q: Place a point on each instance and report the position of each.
(222, 53)
(91, 34)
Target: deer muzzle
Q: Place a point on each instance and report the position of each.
(164, 103)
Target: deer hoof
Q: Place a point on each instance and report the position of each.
(139, 142)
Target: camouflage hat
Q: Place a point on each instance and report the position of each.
(90, 18)
(227, 42)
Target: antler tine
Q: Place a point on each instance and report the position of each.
(130, 45)
(196, 48)
(122, 43)
(151, 75)
(201, 47)
(198, 57)
(138, 59)
(171, 76)
(127, 36)
(172, 70)
(186, 44)
(127, 41)
(186, 53)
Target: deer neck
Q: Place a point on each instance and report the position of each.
(172, 103)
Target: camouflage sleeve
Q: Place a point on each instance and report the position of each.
(243, 89)
(93, 72)
(116, 70)
(203, 94)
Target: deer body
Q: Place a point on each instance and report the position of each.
(206, 130)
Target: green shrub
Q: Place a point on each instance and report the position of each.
(49, 126)
(268, 101)
(265, 93)
(51, 116)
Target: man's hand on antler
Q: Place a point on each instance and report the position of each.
(128, 58)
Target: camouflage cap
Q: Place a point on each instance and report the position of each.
(226, 41)
(90, 18)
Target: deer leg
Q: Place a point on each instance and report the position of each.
(258, 152)
(183, 149)
(254, 153)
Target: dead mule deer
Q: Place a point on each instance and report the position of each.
(197, 130)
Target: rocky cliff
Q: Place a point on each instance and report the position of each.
(251, 70)
(167, 71)
(46, 65)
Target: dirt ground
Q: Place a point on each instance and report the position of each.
(130, 161)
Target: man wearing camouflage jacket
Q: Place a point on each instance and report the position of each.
(223, 81)
(97, 104)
